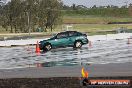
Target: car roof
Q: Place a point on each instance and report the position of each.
(71, 31)
(67, 31)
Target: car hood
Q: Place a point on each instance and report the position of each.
(46, 40)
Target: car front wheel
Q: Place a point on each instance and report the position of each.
(78, 44)
(47, 47)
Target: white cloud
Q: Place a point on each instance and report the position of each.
(90, 3)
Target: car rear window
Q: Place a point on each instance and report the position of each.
(78, 33)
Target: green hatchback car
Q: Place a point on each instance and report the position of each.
(64, 39)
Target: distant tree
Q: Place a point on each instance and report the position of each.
(123, 6)
(130, 9)
(94, 6)
(108, 6)
(112, 6)
(50, 16)
(25, 15)
(11, 12)
(74, 6)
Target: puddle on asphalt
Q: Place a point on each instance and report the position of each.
(101, 52)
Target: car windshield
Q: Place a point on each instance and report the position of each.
(53, 36)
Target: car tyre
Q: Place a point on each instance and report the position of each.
(78, 44)
(47, 47)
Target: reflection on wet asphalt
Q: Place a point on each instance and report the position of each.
(101, 52)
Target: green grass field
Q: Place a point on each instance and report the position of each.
(93, 19)
(88, 24)
(92, 29)
(96, 28)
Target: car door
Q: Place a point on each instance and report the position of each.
(72, 37)
(62, 39)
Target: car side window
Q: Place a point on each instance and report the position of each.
(62, 35)
(73, 33)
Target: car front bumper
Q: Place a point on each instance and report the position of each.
(40, 46)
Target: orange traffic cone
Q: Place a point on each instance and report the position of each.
(128, 42)
(90, 44)
(37, 48)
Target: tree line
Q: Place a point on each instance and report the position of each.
(27, 15)
(110, 10)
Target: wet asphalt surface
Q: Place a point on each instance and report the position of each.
(101, 52)
(103, 60)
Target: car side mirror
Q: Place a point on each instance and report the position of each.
(56, 37)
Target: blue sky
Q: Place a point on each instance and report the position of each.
(90, 3)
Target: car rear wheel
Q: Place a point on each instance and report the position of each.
(47, 47)
(78, 44)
